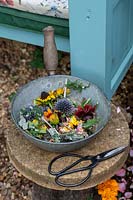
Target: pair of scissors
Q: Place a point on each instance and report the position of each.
(95, 160)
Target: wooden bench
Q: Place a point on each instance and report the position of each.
(98, 35)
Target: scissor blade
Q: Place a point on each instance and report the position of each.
(113, 152)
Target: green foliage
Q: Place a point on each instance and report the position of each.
(37, 61)
(11, 96)
(119, 195)
(35, 112)
(76, 85)
(90, 123)
(85, 102)
(90, 197)
(60, 55)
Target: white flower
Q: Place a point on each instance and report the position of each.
(23, 123)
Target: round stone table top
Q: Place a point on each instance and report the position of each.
(33, 162)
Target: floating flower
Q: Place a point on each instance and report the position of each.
(23, 123)
(59, 91)
(48, 113)
(43, 129)
(51, 95)
(73, 122)
(46, 98)
(80, 128)
(38, 101)
(53, 114)
(35, 122)
(44, 95)
(64, 129)
(64, 106)
(54, 119)
(68, 91)
(85, 112)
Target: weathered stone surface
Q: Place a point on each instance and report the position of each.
(32, 162)
(41, 193)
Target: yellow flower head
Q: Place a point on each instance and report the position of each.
(35, 122)
(52, 95)
(39, 101)
(59, 92)
(74, 121)
(54, 119)
(43, 129)
(47, 99)
(68, 91)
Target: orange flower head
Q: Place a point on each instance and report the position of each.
(48, 113)
(108, 190)
(54, 119)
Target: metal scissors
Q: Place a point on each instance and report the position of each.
(95, 160)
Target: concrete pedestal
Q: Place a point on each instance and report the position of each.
(33, 162)
(41, 193)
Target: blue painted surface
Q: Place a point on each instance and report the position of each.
(115, 81)
(122, 41)
(87, 40)
(31, 37)
(101, 44)
(131, 21)
(120, 34)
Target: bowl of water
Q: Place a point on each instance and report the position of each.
(31, 91)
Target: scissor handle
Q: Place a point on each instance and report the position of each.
(57, 180)
(66, 168)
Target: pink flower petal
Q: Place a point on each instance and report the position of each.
(131, 186)
(131, 153)
(130, 168)
(118, 110)
(122, 198)
(10, 2)
(123, 180)
(121, 172)
(122, 187)
(128, 194)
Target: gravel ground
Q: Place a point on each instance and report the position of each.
(15, 71)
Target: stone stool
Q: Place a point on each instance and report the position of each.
(33, 162)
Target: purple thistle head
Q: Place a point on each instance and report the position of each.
(64, 106)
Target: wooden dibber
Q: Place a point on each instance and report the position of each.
(50, 54)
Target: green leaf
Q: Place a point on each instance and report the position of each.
(11, 96)
(76, 85)
(90, 123)
(86, 101)
(42, 131)
(90, 197)
(37, 61)
(119, 195)
(60, 55)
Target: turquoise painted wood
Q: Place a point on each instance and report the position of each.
(101, 41)
(31, 37)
